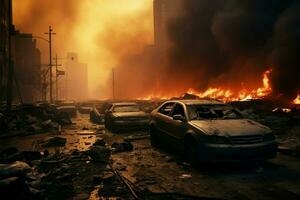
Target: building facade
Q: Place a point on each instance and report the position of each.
(163, 12)
(5, 12)
(27, 67)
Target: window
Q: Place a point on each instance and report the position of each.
(166, 109)
(126, 108)
(213, 112)
(178, 110)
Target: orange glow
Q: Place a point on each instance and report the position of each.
(227, 95)
(297, 100)
(102, 32)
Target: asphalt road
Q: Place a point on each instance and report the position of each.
(161, 171)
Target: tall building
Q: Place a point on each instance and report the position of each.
(27, 66)
(75, 84)
(5, 12)
(163, 12)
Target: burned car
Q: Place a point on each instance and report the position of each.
(210, 131)
(98, 112)
(125, 116)
(69, 110)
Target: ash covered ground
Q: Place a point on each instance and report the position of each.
(45, 156)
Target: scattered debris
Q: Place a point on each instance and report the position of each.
(30, 119)
(99, 153)
(185, 176)
(100, 142)
(105, 178)
(54, 142)
(122, 147)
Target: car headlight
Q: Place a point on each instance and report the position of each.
(219, 140)
(269, 137)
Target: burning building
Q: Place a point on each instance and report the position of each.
(223, 48)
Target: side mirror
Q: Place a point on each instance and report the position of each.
(178, 118)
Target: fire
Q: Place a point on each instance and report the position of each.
(297, 100)
(225, 95)
(228, 95)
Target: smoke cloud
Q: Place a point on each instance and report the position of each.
(227, 43)
(102, 32)
(221, 43)
(230, 42)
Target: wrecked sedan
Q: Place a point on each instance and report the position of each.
(125, 116)
(210, 131)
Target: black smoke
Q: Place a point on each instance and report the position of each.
(226, 40)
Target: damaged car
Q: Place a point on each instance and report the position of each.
(210, 131)
(125, 116)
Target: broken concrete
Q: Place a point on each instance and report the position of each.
(54, 142)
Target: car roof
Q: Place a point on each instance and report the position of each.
(200, 102)
(124, 104)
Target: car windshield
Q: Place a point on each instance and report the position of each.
(213, 112)
(126, 108)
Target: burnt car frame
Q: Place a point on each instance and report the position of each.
(125, 116)
(210, 131)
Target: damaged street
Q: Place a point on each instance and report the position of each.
(149, 100)
(84, 160)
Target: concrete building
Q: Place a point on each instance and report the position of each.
(163, 12)
(27, 66)
(5, 10)
(74, 85)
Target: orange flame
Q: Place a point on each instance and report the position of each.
(225, 95)
(229, 95)
(297, 100)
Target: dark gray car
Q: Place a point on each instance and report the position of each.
(210, 131)
(126, 116)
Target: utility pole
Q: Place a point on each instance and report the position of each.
(113, 83)
(57, 74)
(50, 33)
(10, 70)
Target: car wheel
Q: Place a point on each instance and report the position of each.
(153, 137)
(191, 151)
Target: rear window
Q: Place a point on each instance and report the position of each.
(126, 108)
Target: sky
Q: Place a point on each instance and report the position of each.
(100, 31)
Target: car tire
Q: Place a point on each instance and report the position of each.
(153, 137)
(191, 152)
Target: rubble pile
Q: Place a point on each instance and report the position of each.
(33, 119)
(40, 175)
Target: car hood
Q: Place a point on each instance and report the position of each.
(227, 127)
(130, 114)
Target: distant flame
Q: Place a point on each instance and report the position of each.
(226, 95)
(297, 100)
(242, 95)
(285, 110)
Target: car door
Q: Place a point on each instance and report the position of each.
(177, 128)
(163, 119)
